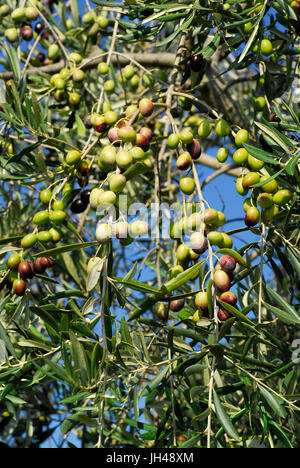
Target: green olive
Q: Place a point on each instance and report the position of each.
(215, 238)
(13, 261)
(173, 140)
(58, 205)
(265, 200)
(239, 186)
(28, 241)
(241, 137)
(187, 185)
(254, 163)
(186, 136)
(103, 233)
(222, 155)
(282, 197)
(57, 216)
(41, 218)
(240, 156)
(127, 134)
(45, 196)
(44, 236)
(222, 128)
(117, 183)
(108, 155)
(204, 128)
(137, 153)
(269, 187)
(182, 253)
(124, 158)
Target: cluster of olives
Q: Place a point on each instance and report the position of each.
(222, 278)
(22, 270)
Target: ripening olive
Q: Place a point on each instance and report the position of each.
(229, 297)
(252, 216)
(228, 263)
(74, 98)
(250, 179)
(201, 301)
(176, 305)
(221, 280)
(239, 186)
(26, 33)
(19, 287)
(282, 197)
(223, 315)
(161, 311)
(146, 107)
(194, 149)
(183, 161)
(25, 270)
(121, 230)
(210, 216)
(198, 242)
(98, 122)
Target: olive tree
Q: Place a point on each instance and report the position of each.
(149, 269)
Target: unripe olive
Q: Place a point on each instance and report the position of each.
(107, 197)
(240, 156)
(102, 21)
(254, 163)
(137, 153)
(117, 182)
(222, 155)
(228, 263)
(56, 235)
(45, 196)
(204, 128)
(186, 136)
(139, 229)
(103, 233)
(31, 13)
(88, 17)
(109, 86)
(215, 238)
(251, 178)
(182, 253)
(103, 68)
(18, 14)
(266, 47)
(187, 185)
(128, 72)
(259, 103)
(124, 159)
(58, 205)
(78, 75)
(53, 52)
(75, 57)
(176, 270)
(127, 134)
(194, 149)
(184, 161)
(91, 263)
(74, 98)
(229, 297)
(161, 311)
(4, 10)
(25, 270)
(111, 117)
(210, 216)
(11, 34)
(41, 218)
(108, 155)
(252, 216)
(173, 140)
(268, 214)
(13, 261)
(241, 137)
(176, 305)
(95, 197)
(248, 203)
(239, 186)
(221, 280)
(282, 197)
(223, 315)
(265, 200)
(220, 221)
(57, 216)
(146, 107)
(201, 301)
(222, 128)
(198, 242)
(121, 230)
(28, 241)
(19, 287)
(269, 187)
(44, 236)
(226, 241)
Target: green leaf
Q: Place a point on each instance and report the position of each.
(65, 248)
(274, 402)
(13, 59)
(155, 382)
(81, 130)
(224, 419)
(233, 311)
(287, 308)
(80, 357)
(235, 255)
(260, 154)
